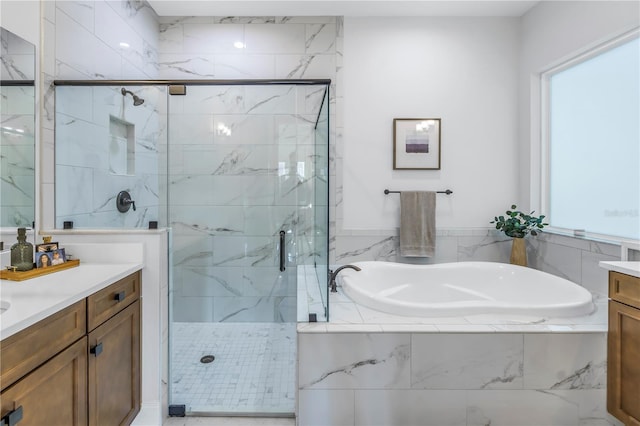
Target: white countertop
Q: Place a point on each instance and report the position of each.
(626, 267)
(35, 299)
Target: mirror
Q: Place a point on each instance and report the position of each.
(17, 131)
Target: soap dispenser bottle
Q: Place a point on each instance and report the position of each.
(22, 252)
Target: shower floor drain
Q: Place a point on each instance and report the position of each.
(207, 359)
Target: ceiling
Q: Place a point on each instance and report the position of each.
(341, 7)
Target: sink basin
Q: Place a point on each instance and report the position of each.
(4, 306)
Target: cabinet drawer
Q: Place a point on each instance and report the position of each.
(109, 301)
(624, 288)
(33, 346)
(53, 394)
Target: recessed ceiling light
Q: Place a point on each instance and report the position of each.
(124, 45)
(239, 45)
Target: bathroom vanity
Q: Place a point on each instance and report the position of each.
(70, 347)
(623, 348)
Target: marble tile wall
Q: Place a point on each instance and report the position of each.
(241, 160)
(452, 379)
(82, 40)
(91, 166)
(242, 164)
(17, 156)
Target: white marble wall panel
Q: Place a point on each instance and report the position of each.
(254, 309)
(207, 38)
(82, 41)
(354, 361)
(591, 405)
(467, 372)
(322, 407)
(244, 66)
(192, 309)
(76, 149)
(556, 259)
(303, 66)
(17, 156)
(274, 39)
(565, 362)
(183, 66)
(79, 180)
(81, 12)
(410, 408)
(210, 281)
(471, 361)
(17, 58)
(320, 38)
(523, 408)
(18, 100)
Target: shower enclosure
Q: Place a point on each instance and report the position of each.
(238, 171)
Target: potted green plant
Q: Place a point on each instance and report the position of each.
(518, 225)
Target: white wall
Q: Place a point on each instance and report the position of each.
(550, 33)
(462, 70)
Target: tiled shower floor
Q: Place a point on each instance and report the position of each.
(253, 371)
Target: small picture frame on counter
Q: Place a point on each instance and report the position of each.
(43, 259)
(153, 224)
(67, 224)
(46, 247)
(58, 257)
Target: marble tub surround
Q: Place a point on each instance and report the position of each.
(366, 367)
(452, 379)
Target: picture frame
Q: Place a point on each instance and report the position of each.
(58, 257)
(43, 259)
(416, 143)
(46, 247)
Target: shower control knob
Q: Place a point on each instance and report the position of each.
(124, 202)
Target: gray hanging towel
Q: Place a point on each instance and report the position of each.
(417, 223)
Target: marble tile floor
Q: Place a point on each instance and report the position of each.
(253, 371)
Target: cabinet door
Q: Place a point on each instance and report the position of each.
(53, 394)
(623, 381)
(114, 369)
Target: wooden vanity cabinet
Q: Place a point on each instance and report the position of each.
(623, 369)
(79, 366)
(53, 394)
(113, 321)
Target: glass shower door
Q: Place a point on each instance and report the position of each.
(241, 203)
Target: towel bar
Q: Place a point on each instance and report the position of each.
(448, 192)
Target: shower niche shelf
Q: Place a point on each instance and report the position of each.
(122, 146)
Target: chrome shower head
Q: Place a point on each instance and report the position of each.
(136, 99)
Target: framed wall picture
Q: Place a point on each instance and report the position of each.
(416, 144)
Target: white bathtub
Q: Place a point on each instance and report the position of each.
(463, 288)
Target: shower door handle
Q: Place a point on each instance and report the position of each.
(282, 268)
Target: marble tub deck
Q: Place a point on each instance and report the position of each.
(347, 316)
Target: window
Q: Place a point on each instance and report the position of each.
(592, 133)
